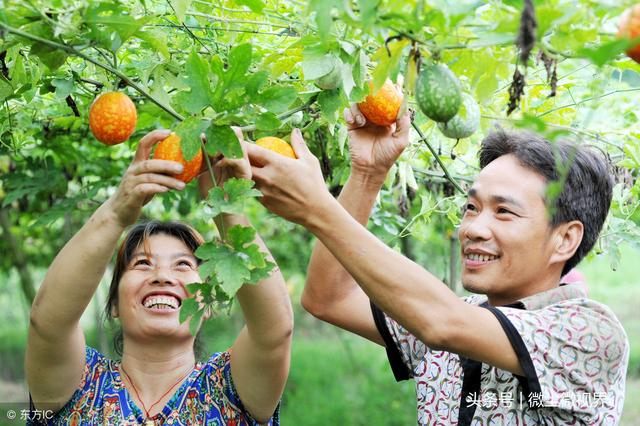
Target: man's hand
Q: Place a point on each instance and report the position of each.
(292, 188)
(374, 148)
(225, 168)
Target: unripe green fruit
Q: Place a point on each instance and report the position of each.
(465, 122)
(438, 92)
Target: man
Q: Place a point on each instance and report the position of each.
(523, 350)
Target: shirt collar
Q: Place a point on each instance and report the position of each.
(574, 290)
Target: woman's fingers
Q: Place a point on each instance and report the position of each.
(156, 166)
(146, 143)
(160, 179)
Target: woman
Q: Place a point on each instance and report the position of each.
(158, 380)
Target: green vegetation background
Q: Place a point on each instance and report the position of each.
(337, 378)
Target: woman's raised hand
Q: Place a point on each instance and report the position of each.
(143, 179)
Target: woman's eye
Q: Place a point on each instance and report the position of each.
(185, 263)
(470, 207)
(141, 262)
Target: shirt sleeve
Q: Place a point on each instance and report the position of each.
(574, 356)
(95, 366)
(222, 368)
(404, 350)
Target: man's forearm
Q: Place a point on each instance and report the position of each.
(266, 305)
(399, 286)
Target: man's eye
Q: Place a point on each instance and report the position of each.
(470, 207)
(502, 210)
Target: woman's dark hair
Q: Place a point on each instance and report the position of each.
(137, 235)
(584, 172)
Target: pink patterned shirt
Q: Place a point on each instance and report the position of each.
(573, 351)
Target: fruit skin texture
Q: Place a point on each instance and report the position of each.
(438, 92)
(278, 145)
(382, 107)
(331, 80)
(629, 27)
(465, 122)
(170, 149)
(112, 118)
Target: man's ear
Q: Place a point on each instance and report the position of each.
(566, 240)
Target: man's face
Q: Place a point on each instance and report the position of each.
(505, 237)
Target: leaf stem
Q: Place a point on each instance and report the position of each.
(286, 114)
(437, 157)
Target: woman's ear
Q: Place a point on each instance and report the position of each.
(114, 309)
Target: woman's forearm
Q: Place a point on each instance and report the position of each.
(266, 305)
(327, 280)
(75, 273)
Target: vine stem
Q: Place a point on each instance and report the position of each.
(73, 51)
(437, 157)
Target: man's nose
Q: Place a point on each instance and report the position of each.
(477, 228)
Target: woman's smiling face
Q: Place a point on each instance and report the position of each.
(153, 288)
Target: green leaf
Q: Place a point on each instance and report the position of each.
(113, 18)
(200, 95)
(63, 86)
(232, 198)
(315, 66)
(255, 83)
(255, 5)
(388, 65)
(157, 40)
(238, 236)
(189, 131)
(6, 89)
(368, 9)
(606, 52)
(268, 121)
(277, 99)
(52, 57)
(180, 7)
(223, 139)
(330, 103)
(188, 308)
(239, 62)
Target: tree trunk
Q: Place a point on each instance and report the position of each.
(20, 261)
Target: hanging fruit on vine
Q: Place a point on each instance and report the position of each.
(629, 27)
(171, 149)
(112, 118)
(465, 122)
(438, 92)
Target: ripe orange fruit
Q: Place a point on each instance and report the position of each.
(170, 149)
(277, 145)
(629, 27)
(382, 107)
(112, 118)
